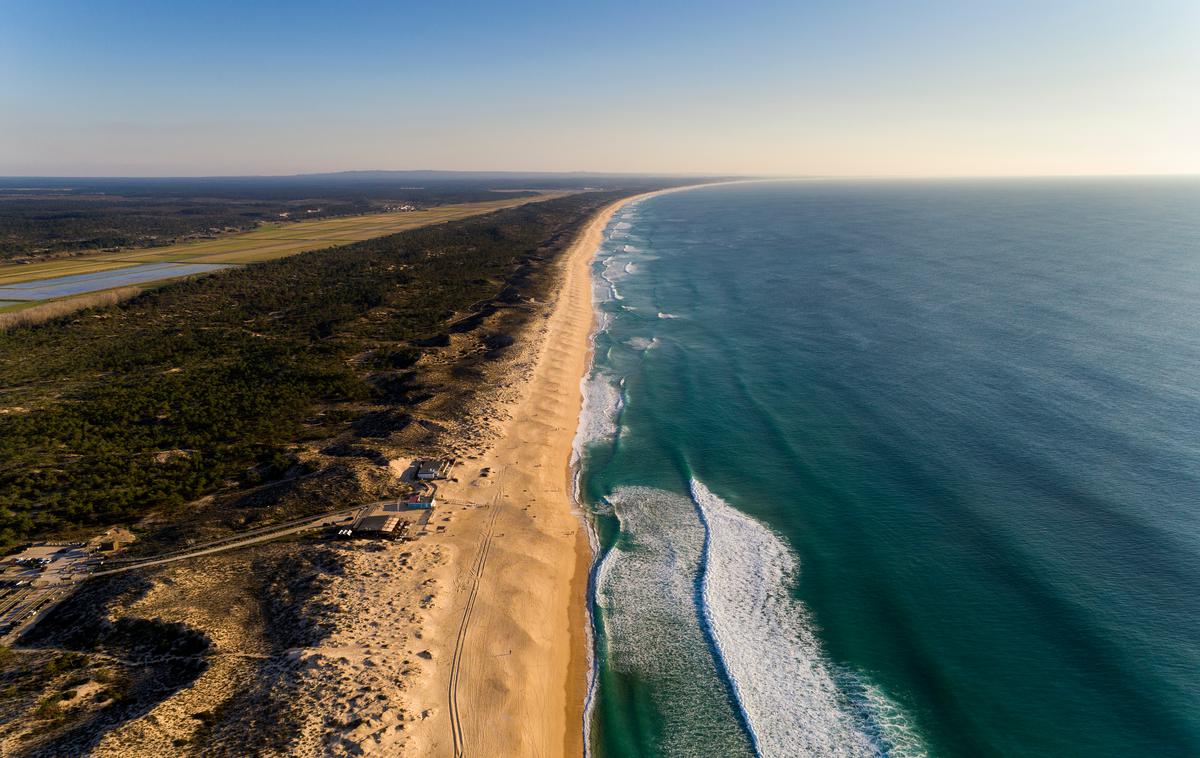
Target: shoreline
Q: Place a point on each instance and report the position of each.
(583, 652)
(507, 629)
(587, 549)
(476, 638)
(521, 673)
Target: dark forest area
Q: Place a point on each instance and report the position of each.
(111, 412)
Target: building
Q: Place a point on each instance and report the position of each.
(433, 468)
(379, 524)
(420, 502)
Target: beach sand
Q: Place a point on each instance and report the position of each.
(472, 639)
(520, 561)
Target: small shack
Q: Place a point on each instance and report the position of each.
(383, 525)
(420, 502)
(433, 468)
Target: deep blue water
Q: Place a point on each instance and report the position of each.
(899, 467)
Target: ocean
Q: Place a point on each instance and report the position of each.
(904, 468)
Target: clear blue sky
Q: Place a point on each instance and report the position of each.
(874, 88)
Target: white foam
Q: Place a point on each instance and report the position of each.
(614, 269)
(603, 319)
(604, 288)
(600, 412)
(881, 718)
(598, 403)
(666, 315)
(765, 641)
(642, 343)
(645, 590)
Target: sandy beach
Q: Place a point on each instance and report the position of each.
(510, 640)
(472, 639)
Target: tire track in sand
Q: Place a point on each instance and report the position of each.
(477, 567)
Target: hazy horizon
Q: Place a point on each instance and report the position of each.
(647, 174)
(865, 89)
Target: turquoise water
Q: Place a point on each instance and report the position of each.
(906, 468)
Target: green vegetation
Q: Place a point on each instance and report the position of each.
(133, 213)
(49, 709)
(166, 397)
(27, 676)
(66, 662)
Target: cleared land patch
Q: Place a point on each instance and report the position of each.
(268, 242)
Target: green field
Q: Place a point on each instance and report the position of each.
(267, 242)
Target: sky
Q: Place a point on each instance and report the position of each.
(856, 87)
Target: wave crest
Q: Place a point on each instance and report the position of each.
(600, 414)
(765, 642)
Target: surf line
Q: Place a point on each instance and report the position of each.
(578, 453)
(704, 618)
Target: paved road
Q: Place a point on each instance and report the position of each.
(330, 519)
(23, 608)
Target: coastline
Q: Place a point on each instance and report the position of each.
(522, 674)
(475, 638)
(506, 630)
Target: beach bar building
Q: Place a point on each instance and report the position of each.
(433, 468)
(420, 502)
(385, 525)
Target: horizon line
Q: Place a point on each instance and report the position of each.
(609, 174)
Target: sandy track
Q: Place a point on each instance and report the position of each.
(485, 544)
(517, 668)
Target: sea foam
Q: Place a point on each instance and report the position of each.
(765, 643)
(645, 593)
(601, 410)
(742, 636)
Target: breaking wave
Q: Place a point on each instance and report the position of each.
(695, 599)
(764, 640)
(614, 268)
(601, 411)
(645, 595)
